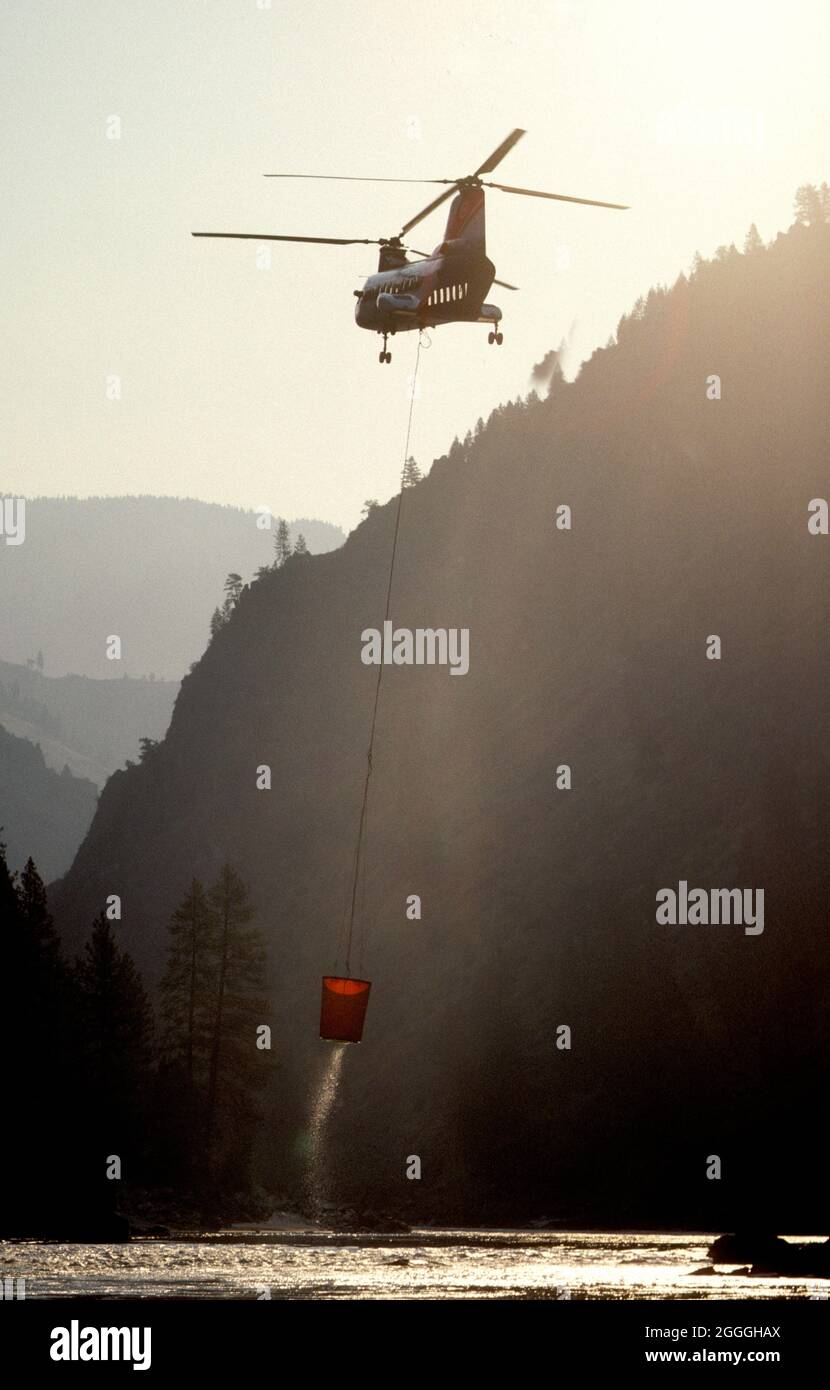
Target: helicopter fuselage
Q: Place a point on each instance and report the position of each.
(447, 287)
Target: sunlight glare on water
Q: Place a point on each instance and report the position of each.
(316, 1264)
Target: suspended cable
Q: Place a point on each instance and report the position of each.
(361, 829)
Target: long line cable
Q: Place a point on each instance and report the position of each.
(361, 829)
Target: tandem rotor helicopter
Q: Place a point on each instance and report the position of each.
(448, 286)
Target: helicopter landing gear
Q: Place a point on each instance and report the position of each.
(497, 338)
(383, 355)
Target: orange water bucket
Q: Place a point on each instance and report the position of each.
(343, 1008)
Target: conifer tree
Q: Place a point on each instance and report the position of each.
(41, 964)
(187, 987)
(411, 473)
(282, 543)
(233, 589)
(116, 1033)
(301, 548)
(807, 207)
(753, 240)
(239, 984)
(37, 1176)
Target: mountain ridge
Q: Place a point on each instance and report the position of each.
(148, 569)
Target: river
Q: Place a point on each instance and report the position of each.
(426, 1264)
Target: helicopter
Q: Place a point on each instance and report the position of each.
(447, 286)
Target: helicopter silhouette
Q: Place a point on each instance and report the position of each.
(447, 286)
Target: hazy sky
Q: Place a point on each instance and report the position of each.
(254, 386)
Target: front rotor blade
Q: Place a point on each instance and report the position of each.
(352, 178)
(505, 285)
(557, 197)
(317, 240)
(436, 203)
(498, 154)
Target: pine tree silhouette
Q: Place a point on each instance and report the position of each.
(187, 986)
(239, 953)
(282, 543)
(116, 1033)
(411, 473)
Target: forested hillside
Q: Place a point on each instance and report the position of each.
(91, 726)
(688, 453)
(147, 569)
(43, 813)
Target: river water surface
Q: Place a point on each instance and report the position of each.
(316, 1264)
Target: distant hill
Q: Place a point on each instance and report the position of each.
(689, 452)
(43, 813)
(147, 569)
(91, 726)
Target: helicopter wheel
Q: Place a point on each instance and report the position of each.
(384, 357)
(491, 338)
(499, 338)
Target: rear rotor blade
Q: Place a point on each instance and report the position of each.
(557, 197)
(505, 285)
(498, 154)
(317, 240)
(436, 203)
